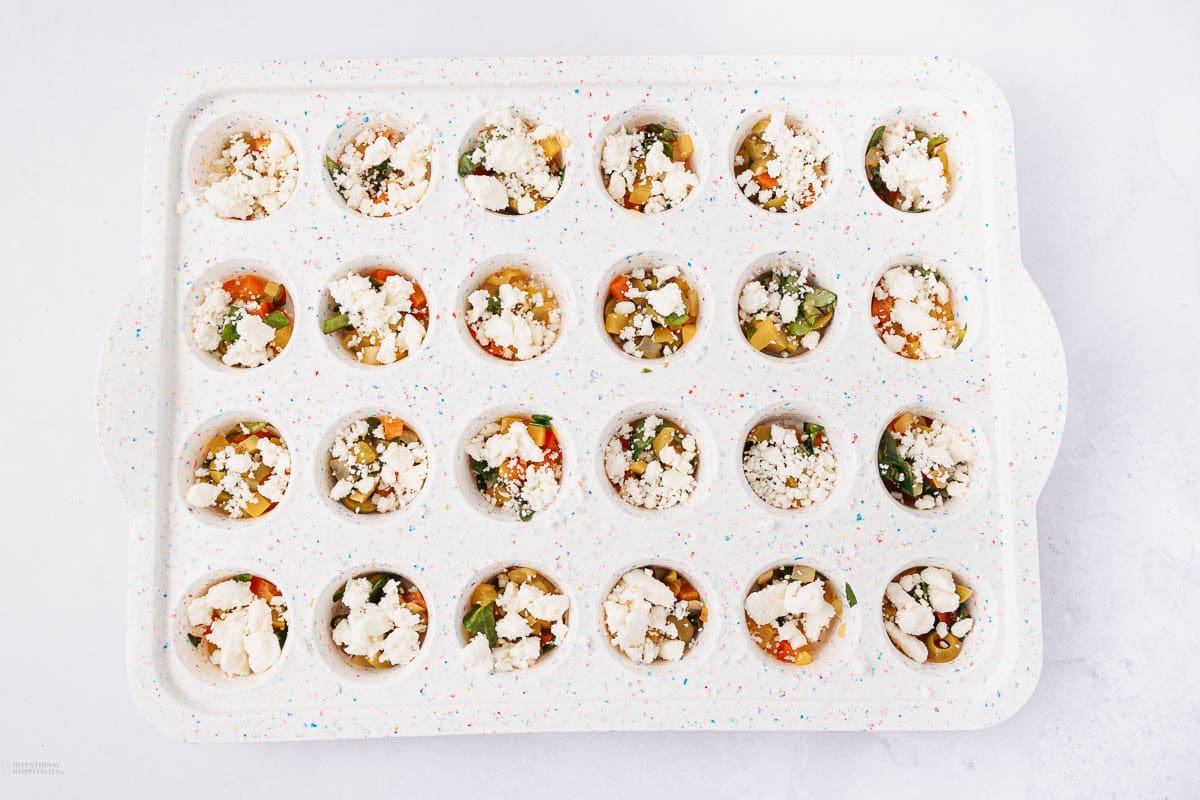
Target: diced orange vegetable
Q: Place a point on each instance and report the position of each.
(881, 309)
(415, 597)
(784, 652)
(619, 287)
(245, 287)
(766, 181)
(260, 587)
(417, 298)
(381, 275)
(688, 592)
(393, 427)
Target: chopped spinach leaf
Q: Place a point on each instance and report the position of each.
(894, 469)
(851, 599)
(876, 137)
(482, 620)
(493, 304)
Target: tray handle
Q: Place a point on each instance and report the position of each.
(127, 410)
(1039, 396)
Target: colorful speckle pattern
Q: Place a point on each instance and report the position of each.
(157, 398)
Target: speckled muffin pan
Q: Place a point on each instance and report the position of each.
(159, 397)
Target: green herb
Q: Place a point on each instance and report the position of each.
(876, 137)
(540, 421)
(524, 512)
(245, 577)
(195, 640)
(962, 334)
(281, 635)
(639, 442)
(335, 323)
(229, 333)
(379, 585)
(935, 143)
(892, 467)
(851, 600)
(811, 431)
(373, 422)
(277, 320)
(484, 477)
(253, 427)
(376, 175)
(646, 370)
(465, 165)
(339, 594)
(333, 168)
(790, 283)
(376, 285)
(493, 304)
(675, 320)
(482, 620)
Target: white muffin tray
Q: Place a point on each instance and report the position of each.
(158, 397)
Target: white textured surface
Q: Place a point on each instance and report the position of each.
(1114, 714)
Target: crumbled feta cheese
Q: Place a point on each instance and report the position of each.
(785, 474)
(255, 341)
(938, 451)
(907, 168)
(796, 163)
(917, 605)
(649, 480)
(388, 630)
(237, 626)
(253, 175)
(381, 172)
(518, 174)
(517, 474)
(798, 612)
(788, 307)
(383, 317)
(640, 615)
(639, 158)
(513, 323)
(913, 313)
(388, 475)
(518, 645)
(239, 477)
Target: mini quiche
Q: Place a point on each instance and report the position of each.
(927, 614)
(781, 166)
(253, 175)
(377, 465)
(243, 321)
(379, 316)
(382, 172)
(517, 464)
(513, 165)
(925, 463)
(379, 620)
(652, 463)
(907, 167)
(512, 620)
(513, 315)
(783, 313)
(654, 614)
(649, 168)
(912, 309)
(791, 613)
(651, 312)
(239, 625)
(242, 472)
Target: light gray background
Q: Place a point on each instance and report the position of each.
(1104, 95)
